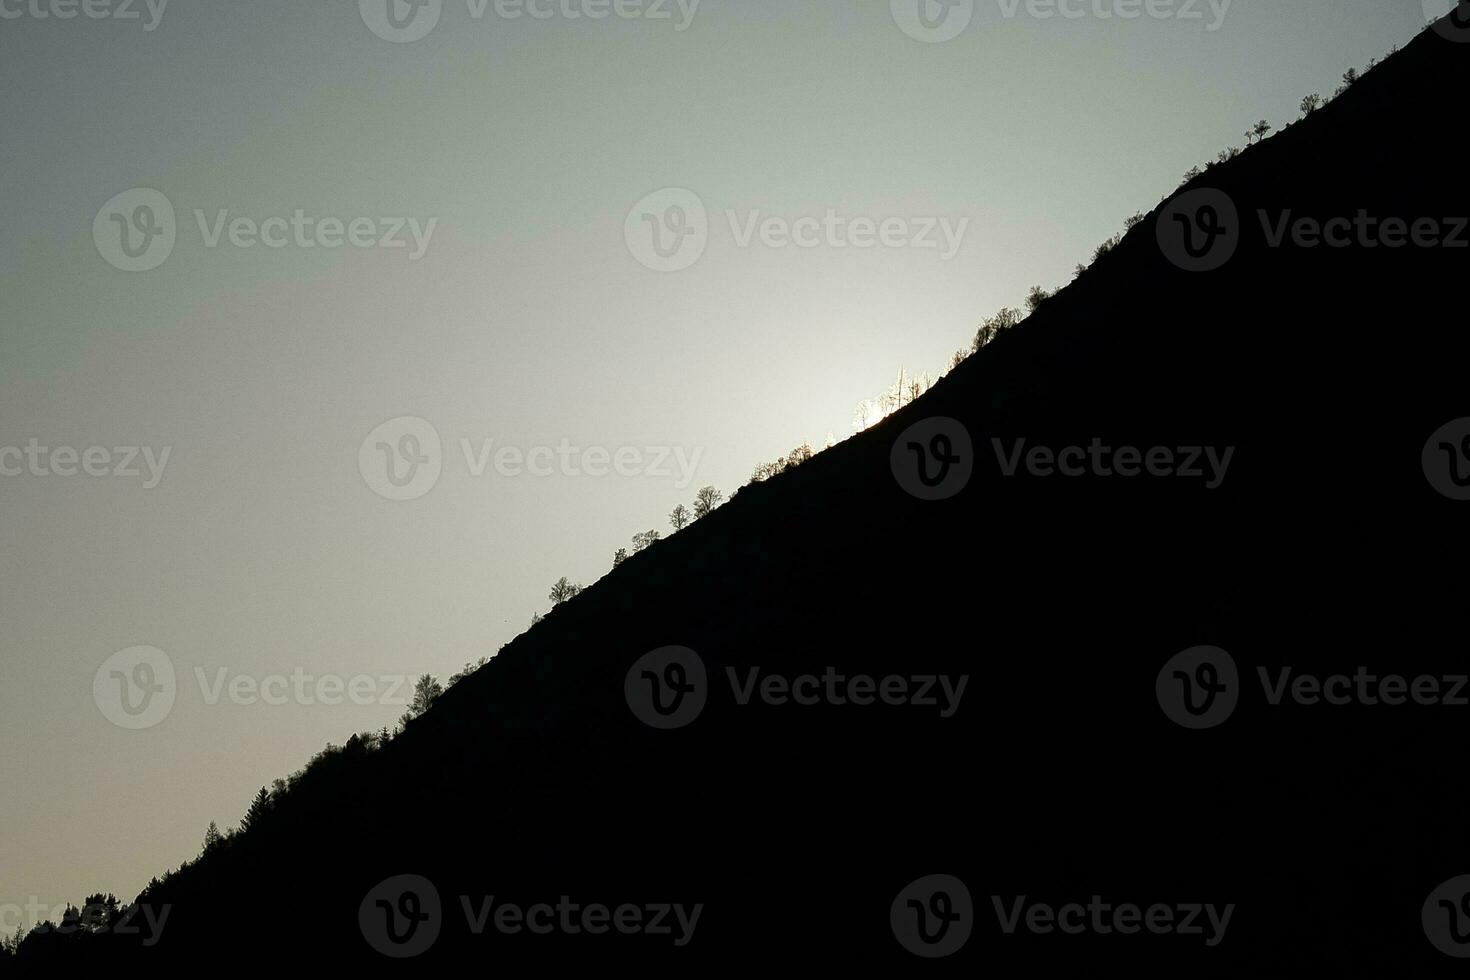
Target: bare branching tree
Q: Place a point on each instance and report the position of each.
(562, 591)
(706, 500)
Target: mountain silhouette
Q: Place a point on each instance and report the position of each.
(1327, 540)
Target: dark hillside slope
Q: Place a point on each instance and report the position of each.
(1061, 598)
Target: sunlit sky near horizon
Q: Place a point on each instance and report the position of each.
(530, 148)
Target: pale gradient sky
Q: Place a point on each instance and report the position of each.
(528, 321)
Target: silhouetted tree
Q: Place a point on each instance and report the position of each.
(562, 591)
(1035, 298)
(644, 540)
(1106, 247)
(905, 389)
(680, 517)
(260, 807)
(536, 618)
(213, 839)
(426, 691)
(764, 472)
(99, 912)
(468, 670)
(705, 501)
(791, 460)
(620, 556)
(1311, 104)
(995, 326)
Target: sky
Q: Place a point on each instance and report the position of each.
(330, 339)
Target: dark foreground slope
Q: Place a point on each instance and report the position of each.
(1060, 598)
